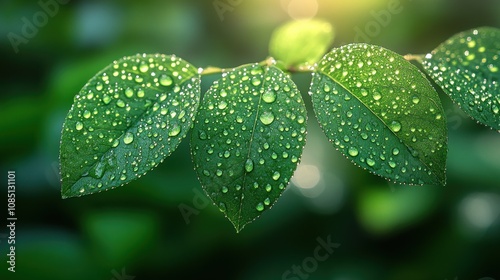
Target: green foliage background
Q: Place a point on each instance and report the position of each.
(386, 231)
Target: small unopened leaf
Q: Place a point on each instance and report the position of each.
(467, 68)
(248, 139)
(125, 121)
(301, 42)
(382, 113)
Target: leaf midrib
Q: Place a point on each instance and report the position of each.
(262, 85)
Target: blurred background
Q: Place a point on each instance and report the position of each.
(385, 231)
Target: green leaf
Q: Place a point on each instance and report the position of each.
(301, 42)
(125, 121)
(466, 67)
(247, 140)
(382, 113)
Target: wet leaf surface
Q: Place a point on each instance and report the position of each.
(248, 139)
(382, 113)
(467, 67)
(125, 121)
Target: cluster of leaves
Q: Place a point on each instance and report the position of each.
(248, 132)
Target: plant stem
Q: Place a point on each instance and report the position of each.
(211, 70)
(417, 57)
(303, 68)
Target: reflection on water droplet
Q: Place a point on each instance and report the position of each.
(129, 138)
(267, 201)
(166, 80)
(129, 92)
(79, 126)
(99, 86)
(143, 67)
(377, 96)
(202, 135)
(86, 114)
(395, 151)
(495, 109)
(174, 131)
(415, 100)
(353, 152)
(249, 165)
(222, 207)
(370, 162)
(222, 105)
(395, 126)
(120, 103)
(260, 207)
(276, 175)
(225, 189)
(256, 81)
(269, 188)
(269, 97)
(267, 118)
(106, 99)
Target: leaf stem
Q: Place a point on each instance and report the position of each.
(210, 70)
(270, 61)
(417, 57)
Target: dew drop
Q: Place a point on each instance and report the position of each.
(395, 126)
(166, 80)
(79, 126)
(249, 165)
(415, 100)
(87, 114)
(353, 152)
(256, 81)
(267, 118)
(267, 201)
(260, 207)
(269, 97)
(120, 103)
(99, 86)
(129, 92)
(174, 131)
(106, 99)
(395, 151)
(143, 67)
(225, 189)
(377, 96)
(222, 105)
(276, 175)
(495, 109)
(140, 93)
(202, 135)
(129, 138)
(222, 207)
(370, 162)
(269, 188)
